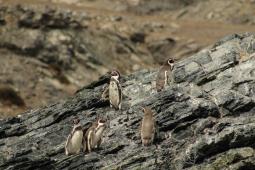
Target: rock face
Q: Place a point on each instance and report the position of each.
(205, 118)
(51, 49)
(58, 46)
(65, 37)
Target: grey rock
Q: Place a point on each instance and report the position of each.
(205, 118)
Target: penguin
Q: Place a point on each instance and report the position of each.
(94, 134)
(148, 127)
(163, 74)
(89, 138)
(74, 140)
(115, 92)
(84, 140)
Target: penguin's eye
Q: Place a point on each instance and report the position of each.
(114, 73)
(171, 61)
(101, 121)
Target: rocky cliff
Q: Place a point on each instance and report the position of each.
(51, 48)
(205, 118)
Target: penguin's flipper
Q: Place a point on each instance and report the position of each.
(120, 94)
(90, 141)
(67, 145)
(98, 143)
(105, 94)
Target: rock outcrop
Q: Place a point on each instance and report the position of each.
(205, 117)
(66, 38)
(49, 49)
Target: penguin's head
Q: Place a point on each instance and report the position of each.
(76, 121)
(115, 74)
(170, 62)
(101, 122)
(146, 110)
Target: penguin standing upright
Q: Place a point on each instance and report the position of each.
(148, 127)
(115, 92)
(94, 134)
(163, 74)
(74, 140)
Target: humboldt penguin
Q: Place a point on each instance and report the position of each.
(94, 135)
(115, 92)
(163, 74)
(74, 140)
(148, 127)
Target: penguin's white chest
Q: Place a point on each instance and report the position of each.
(114, 93)
(98, 135)
(113, 86)
(76, 140)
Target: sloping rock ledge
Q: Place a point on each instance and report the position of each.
(206, 119)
